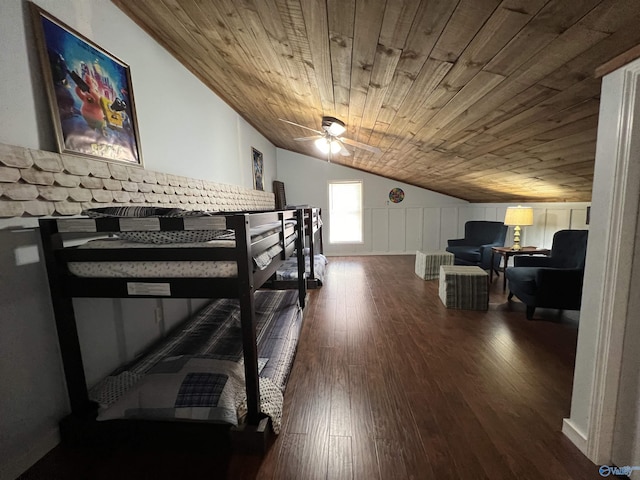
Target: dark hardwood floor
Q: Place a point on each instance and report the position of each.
(389, 384)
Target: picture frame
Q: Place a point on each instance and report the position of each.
(258, 169)
(90, 94)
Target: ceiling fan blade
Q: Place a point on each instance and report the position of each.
(364, 146)
(301, 126)
(307, 139)
(343, 150)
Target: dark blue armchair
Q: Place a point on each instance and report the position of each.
(475, 247)
(554, 281)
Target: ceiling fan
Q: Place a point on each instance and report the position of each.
(329, 141)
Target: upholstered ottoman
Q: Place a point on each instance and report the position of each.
(464, 287)
(428, 263)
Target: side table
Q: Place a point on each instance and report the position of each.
(507, 252)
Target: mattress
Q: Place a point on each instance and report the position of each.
(197, 373)
(289, 269)
(171, 269)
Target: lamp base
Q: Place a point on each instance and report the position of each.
(516, 238)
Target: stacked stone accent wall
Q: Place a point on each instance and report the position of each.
(39, 183)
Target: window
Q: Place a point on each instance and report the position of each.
(345, 212)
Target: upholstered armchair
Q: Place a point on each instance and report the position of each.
(475, 247)
(554, 281)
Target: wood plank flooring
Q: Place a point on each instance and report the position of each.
(389, 384)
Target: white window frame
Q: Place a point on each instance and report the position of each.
(333, 217)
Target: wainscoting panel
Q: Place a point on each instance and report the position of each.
(430, 229)
(380, 228)
(397, 230)
(467, 214)
(404, 230)
(491, 214)
(413, 238)
(557, 219)
(173, 312)
(579, 219)
(449, 227)
(532, 235)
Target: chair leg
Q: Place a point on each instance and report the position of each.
(530, 311)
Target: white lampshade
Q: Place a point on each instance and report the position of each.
(519, 216)
(336, 129)
(325, 145)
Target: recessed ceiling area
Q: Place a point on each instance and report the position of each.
(484, 100)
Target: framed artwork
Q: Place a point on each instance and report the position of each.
(90, 94)
(258, 164)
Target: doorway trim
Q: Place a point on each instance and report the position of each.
(616, 190)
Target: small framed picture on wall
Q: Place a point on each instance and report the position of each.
(258, 166)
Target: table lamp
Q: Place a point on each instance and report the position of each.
(517, 217)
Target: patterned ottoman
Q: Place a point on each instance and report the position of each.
(428, 263)
(464, 287)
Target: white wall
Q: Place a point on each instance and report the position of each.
(184, 129)
(389, 228)
(424, 220)
(33, 395)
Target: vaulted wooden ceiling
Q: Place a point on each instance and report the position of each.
(485, 100)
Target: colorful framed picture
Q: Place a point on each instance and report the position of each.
(90, 94)
(258, 165)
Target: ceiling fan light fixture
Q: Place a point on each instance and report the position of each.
(336, 129)
(335, 146)
(326, 145)
(333, 126)
(329, 140)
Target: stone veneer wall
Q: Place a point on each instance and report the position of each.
(39, 183)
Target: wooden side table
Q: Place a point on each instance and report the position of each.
(507, 252)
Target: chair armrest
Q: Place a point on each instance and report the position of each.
(457, 242)
(549, 276)
(486, 253)
(559, 287)
(531, 261)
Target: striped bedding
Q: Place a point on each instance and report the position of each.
(197, 373)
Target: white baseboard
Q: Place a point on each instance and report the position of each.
(573, 433)
(367, 254)
(39, 448)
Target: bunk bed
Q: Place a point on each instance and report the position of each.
(313, 231)
(236, 254)
(315, 261)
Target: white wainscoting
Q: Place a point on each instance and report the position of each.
(395, 230)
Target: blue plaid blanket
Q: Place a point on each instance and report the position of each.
(197, 373)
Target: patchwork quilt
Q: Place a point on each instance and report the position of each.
(197, 373)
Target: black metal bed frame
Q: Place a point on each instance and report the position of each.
(64, 286)
(313, 229)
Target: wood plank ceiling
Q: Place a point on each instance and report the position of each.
(485, 100)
